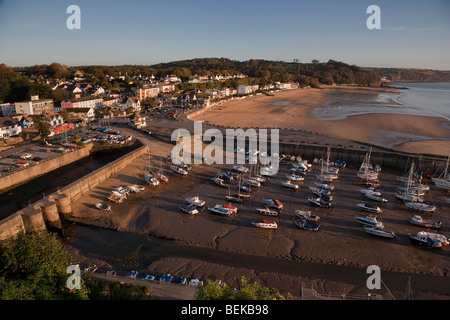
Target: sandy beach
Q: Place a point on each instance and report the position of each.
(295, 109)
(221, 246)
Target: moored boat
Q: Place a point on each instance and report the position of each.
(162, 177)
(196, 201)
(266, 211)
(320, 202)
(151, 179)
(379, 232)
(369, 207)
(303, 214)
(370, 221)
(421, 206)
(178, 170)
(218, 209)
(373, 196)
(273, 203)
(190, 209)
(219, 182)
(230, 207)
(266, 224)
(306, 225)
(241, 169)
(419, 221)
(326, 195)
(429, 239)
(103, 206)
(295, 177)
(289, 184)
(234, 199)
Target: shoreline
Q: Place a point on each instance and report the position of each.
(298, 104)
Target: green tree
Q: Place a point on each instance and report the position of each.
(43, 128)
(214, 290)
(33, 267)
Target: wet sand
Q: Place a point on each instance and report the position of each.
(295, 108)
(340, 241)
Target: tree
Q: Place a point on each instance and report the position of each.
(33, 267)
(43, 128)
(215, 290)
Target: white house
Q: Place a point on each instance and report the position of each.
(132, 102)
(166, 87)
(35, 106)
(247, 89)
(9, 127)
(83, 114)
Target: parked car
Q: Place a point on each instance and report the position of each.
(26, 156)
(37, 159)
(22, 164)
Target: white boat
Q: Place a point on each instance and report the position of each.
(369, 207)
(241, 169)
(102, 206)
(372, 191)
(366, 171)
(370, 221)
(289, 184)
(443, 181)
(190, 209)
(196, 201)
(218, 209)
(419, 221)
(118, 194)
(326, 195)
(234, 199)
(266, 211)
(429, 239)
(268, 171)
(219, 182)
(252, 182)
(303, 214)
(375, 197)
(295, 177)
(325, 186)
(407, 197)
(379, 232)
(178, 170)
(162, 177)
(135, 188)
(421, 206)
(320, 202)
(265, 224)
(150, 178)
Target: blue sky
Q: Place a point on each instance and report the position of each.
(413, 34)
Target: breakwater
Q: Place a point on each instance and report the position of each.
(10, 180)
(47, 213)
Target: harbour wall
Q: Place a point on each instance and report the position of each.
(46, 214)
(43, 167)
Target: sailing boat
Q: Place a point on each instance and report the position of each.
(407, 194)
(239, 194)
(231, 198)
(161, 176)
(443, 181)
(365, 172)
(150, 177)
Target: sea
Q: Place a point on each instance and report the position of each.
(413, 98)
(428, 97)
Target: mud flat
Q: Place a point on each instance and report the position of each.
(348, 113)
(340, 242)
